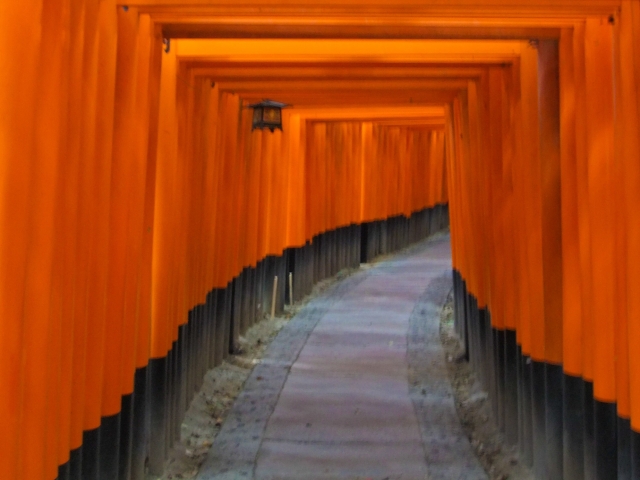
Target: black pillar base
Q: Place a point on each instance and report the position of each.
(553, 408)
(526, 410)
(126, 438)
(64, 471)
(140, 425)
(539, 419)
(109, 447)
(91, 455)
(606, 440)
(510, 388)
(573, 428)
(75, 464)
(635, 455)
(589, 433)
(157, 414)
(624, 449)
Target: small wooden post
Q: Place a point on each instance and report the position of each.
(290, 288)
(273, 298)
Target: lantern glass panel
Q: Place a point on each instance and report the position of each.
(257, 116)
(272, 116)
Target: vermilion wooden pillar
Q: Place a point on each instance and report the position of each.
(627, 141)
(600, 150)
(550, 172)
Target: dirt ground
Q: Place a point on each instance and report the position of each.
(500, 461)
(221, 386)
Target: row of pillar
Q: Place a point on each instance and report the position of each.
(137, 441)
(561, 429)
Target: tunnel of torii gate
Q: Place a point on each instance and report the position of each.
(144, 222)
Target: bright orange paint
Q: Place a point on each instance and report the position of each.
(130, 186)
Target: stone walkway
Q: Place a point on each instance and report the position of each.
(355, 386)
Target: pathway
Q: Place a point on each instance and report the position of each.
(355, 386)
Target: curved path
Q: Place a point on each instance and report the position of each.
(355, 386)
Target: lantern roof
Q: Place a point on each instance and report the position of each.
(268, 103)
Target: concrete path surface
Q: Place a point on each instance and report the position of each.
(355, 386)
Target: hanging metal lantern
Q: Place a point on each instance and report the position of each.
(267, 114)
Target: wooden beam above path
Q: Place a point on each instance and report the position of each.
(426, 117)
(350, 51)
(457, 8)
(349, 98)
(358, 27)
(224, 71)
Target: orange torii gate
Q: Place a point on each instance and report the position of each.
(113, 218)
